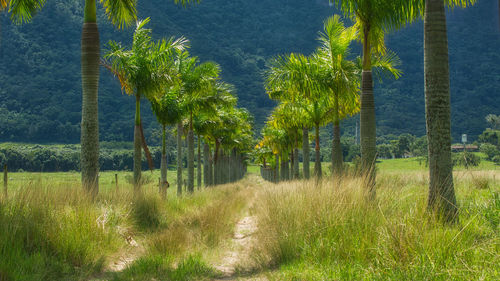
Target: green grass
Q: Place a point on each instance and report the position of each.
(50, 230)
(162, 268)
(330, 232)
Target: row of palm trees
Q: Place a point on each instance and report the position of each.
(314, 91)
(121, 13)
(372, 20)
(150, 59)
(186, 93)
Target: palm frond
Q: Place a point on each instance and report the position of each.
(121, 12)
(22, 11)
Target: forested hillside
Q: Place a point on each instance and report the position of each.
(40, 87)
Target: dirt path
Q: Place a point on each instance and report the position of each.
(126, 257)
(238, 257)
(237, 263)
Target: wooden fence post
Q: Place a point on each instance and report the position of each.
(116, 181)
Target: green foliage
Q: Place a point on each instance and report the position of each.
(494, 121)
(490, 136)
(496, 159)
(47, 65)
(53, 158)
(384, 151)
(466, 159)
(490, 150)
(492, 211)
(160, 268)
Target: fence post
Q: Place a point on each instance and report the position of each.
(116, 181)
(5, 180)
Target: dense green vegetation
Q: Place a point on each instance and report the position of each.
(40, 70)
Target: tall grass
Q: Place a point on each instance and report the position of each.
(335, 232)
(53, 231)
(49, 233)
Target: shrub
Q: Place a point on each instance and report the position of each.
(466, 159)
(490, 150)
(496, 159)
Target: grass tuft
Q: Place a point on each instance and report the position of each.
(146, 212)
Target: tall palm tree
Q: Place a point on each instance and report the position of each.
(144, 71)
(121, 12)
(167, 112)
(341, 78)
(437, 103)
(294, 78)
(197, 82)
(373, 18)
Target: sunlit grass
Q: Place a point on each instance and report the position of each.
(329, 232)
(51, 230)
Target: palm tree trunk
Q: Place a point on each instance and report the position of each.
(137, 144)
(337, 161)
(283, 168)
(277, 168)
(163, 166)
(179, 158)
(305, 152)
(317, 160)
(296, 173)
(367, 116)
(210, 168)
(288, 172)
(216, 163)
(90, 54)
(198, 163)
(191, 156)
(437, 110)
(206, 156)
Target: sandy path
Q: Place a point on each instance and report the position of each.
(237, 263)
(239, 255)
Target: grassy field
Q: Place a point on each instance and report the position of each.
(50, 230)
(312, 231)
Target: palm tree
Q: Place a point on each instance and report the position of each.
(121, 12)
(144, 70)
(341, 78)
(373, 18)
(437, 107)
(21, 11)
(196, 85)
(167, 112)
(294, 78)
